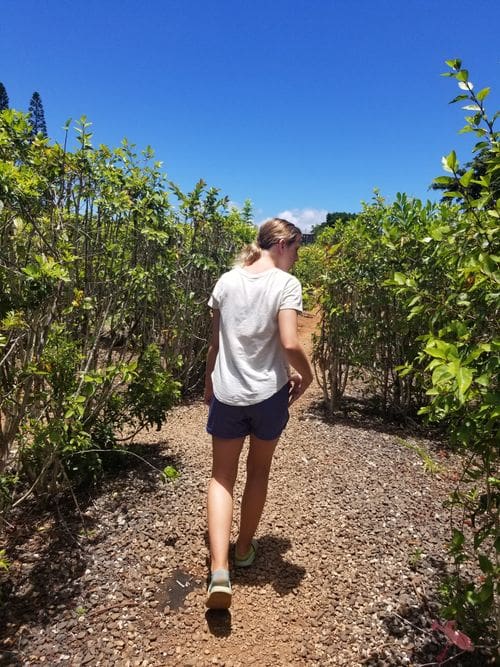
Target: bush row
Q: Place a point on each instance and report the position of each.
(105, 271)
(410, 300)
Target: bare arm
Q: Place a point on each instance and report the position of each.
(295, 355)
(213, 350)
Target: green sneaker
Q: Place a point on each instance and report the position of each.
(248, 558)
(219, 590)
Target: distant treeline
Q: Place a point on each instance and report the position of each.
(35, 110)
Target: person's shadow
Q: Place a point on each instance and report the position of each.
(269, 567)
(219, 622)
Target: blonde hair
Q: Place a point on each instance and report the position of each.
(270, 233)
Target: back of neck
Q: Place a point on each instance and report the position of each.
(264, 263)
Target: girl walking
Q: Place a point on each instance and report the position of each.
(249, 386)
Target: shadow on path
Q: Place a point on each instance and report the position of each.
(366, 413)
(219, 622)
(270, 567)
(51, 544)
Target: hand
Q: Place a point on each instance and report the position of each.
(295, 384)
(208, 394)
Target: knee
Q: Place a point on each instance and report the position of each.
(258, 473)
(225, 478)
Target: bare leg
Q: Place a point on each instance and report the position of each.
(259, 461)
(226, 454)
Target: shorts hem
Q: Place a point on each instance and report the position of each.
(274, 437)
(266, 420)
(227, 437)
(244, 435)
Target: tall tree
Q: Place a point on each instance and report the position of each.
(247, 212)
(37, 115)
(4, 98)
(332, 219)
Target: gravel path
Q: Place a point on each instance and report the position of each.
(350, 548)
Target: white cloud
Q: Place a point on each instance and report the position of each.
(305, 218)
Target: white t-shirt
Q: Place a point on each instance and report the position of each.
(251, 364)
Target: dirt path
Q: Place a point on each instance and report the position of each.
(351, 545)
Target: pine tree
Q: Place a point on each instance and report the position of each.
(247, 212)
(37, 115)
(4, 98)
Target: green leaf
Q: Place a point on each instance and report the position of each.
(471, 597)
(474, 120)
(483, 380)
(457, 540)
(441, 349)
(444, 180)
(416, 310)
(482, 94)
(4, 561)
(170, 472)
(449, 162)
(32, 271)
(437, 231)
(441, 374)
(476, 352)
(466, 178)
(464, 378)
(459, 98)
(485, 593)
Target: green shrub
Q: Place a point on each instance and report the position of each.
(309, 270)
(410, 299)
(460, 350)
(364, 330)
(103, 290)
(153, 391)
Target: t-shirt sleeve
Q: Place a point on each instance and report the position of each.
(291, 297)
(214, 300)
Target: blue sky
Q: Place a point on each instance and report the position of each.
(302, 106)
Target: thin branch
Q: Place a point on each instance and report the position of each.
(120, 451)
(12, 347)
(427, 632)
(442, 662)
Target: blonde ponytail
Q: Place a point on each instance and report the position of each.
(271, 232)
(250, 254)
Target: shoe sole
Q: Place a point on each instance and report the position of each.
(219, 598)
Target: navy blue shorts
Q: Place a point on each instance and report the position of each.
(266, 420)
